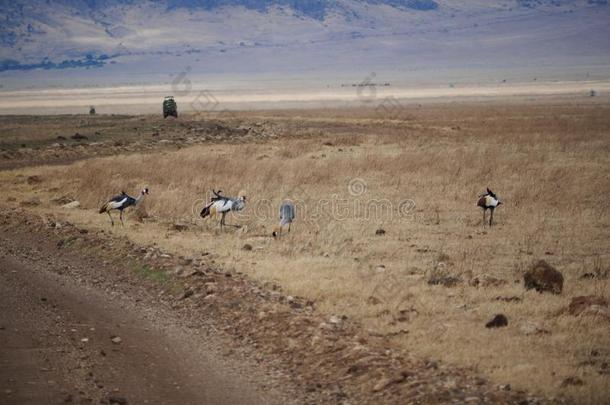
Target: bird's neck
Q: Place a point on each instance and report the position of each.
(140, 198)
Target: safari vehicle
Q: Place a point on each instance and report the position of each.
(169, 107)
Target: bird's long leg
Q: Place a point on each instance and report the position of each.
(121, 217)
(484, 217)
(110, 216)
(222, 220)
(491, 217)
(290, 223)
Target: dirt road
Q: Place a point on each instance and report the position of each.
(56, 346)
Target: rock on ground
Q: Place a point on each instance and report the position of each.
(543, 277)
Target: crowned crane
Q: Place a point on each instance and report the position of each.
(488, 201)
(287, 214)
(221, 204)
(120, 202)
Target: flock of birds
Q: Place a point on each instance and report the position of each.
(220, 204)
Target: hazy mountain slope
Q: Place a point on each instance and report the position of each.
(139, 37)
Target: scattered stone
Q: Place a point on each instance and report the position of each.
(532, 328)
(384, 382)
(571, 381)
(335, 320)
(597, 310)
(498, 321)
(71, 205)
(509, 299)
(380, 232)
(31, 202)
(543, 277)
(583, 304)
(180, 227)
(485, 280)
(444, 280)
(34, 180)
(380, 268)
(116, 340)
(117, 400)
(78, 136)
(211, 288)
(247, 247)
(61, 138)
(373, 300)
(187, 293)
(178, 270)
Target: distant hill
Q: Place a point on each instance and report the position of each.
(213, 36)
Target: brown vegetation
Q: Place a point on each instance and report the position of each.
(548, 163)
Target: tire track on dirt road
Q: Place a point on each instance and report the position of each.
(56, 346)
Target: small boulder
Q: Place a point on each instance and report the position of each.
(336, 320)
(543, 277)
(380, 232)
(31, 202)
(180, 227)
(71, 205)
(532, 328)
(444, 280)
(571, 381)
(485, 280)
(78, 136)
(211, 288)
(34, 179)
(498, 321)
(186, 294)
(589, 304)
(117, 400)
(247, 247)
(116, 340)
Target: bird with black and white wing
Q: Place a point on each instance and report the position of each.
(488, 201)
(222, 205)
(121, 202)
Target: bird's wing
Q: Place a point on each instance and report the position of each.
(115, 204)
(130, 201)
(223, 205)
(118, 198)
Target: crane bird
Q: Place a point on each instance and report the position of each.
(120, 202)
(488, 201)
(221, 204)
(287, 215)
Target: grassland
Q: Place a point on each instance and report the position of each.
(417, 176)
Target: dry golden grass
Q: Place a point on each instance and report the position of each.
(548, 163)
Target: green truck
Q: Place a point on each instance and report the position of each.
(169, 107)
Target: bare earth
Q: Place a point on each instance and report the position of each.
(146, 99)
(56, 341)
